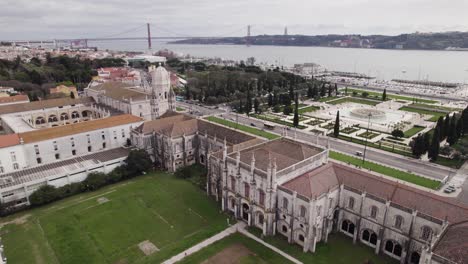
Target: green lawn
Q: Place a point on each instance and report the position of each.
(180, 109)
(277, 121)
(338, 250)
(392, 172)
(244, 128)
(258, 252)
(308, 109)
(435, 115)
(354, 100)
(326, 99)
(413, 131)
(173, 214)
(390, 96)
(368, 135)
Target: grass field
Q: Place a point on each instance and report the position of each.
(244, 128)
(172, 214)
(308, 109)
(395, 173)
(435, 115)
(236, 248)
(391, 96)
(338, 250)
(354, 100)
(413, 131)
(180, 109)
(277, 121)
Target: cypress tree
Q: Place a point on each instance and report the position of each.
(426, 143)
(323, 90)
(452, 132)
(329, 91)
(336, 89)
(241, 107)
(440, 126)
(435, 145)
(446, 126)
(384, 95)
(256, 105)
(309, 91)
(270, 100)
(459, 128)
(465, 120)
(315, 91)
(275, 98)
(248, 103)
(336, 127)
(296, 112)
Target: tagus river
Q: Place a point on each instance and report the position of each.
(447, 66)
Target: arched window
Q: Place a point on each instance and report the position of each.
(366, 235)
(285, 203)
(260, 218)
(398, 221)
(351, 203)
(246, 190)
(393, 248)
(301, 238)
(233, 203)
(63, 116)
(369, 236)
(373, 213)
(75, 115)
(285, 229)
(415, 256)
(40, 120)
(52, 118)
(347, 226)
(426, 233)
(303, 211)
(261, 197)
(233, 184)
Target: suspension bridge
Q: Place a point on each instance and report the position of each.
(143, 32)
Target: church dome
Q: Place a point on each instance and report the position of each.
(160, 77)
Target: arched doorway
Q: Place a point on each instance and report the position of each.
(245, 211)
(415, 256)
(336, 215)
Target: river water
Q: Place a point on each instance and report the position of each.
(446, 66)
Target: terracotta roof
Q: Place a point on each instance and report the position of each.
(404, 195)
(315, 182)
(214, 130)
(67, 130)
(36, 105)
(176, 125)
(14, 98)
(9, 140)
(453, 245)
(119, 91)
(286, 152)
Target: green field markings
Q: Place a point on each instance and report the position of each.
(80, 230)
(354, 100)
(387, 171)
(241, 127)
(389, 96)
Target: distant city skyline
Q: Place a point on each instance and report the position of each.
(48, 19)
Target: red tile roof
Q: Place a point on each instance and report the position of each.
(454, 243)
(9, 140)
(14, 98)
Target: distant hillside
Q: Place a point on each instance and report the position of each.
(417, 41)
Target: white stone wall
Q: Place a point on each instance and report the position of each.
(10, 156)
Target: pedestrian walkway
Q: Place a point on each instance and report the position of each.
(226, 232)
(282, 253)
(239, 227)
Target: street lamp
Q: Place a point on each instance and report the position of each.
(367, 136)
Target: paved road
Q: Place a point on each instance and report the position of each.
(375, 155)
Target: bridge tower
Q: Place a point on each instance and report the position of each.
(247, 40)
(149, 36)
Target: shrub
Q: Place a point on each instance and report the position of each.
(94, 181)
(45, 194)
(137, 162)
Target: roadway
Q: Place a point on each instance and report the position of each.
(375, 155)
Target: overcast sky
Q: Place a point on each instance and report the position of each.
(47, 19)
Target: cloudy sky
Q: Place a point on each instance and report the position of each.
(47, 19)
